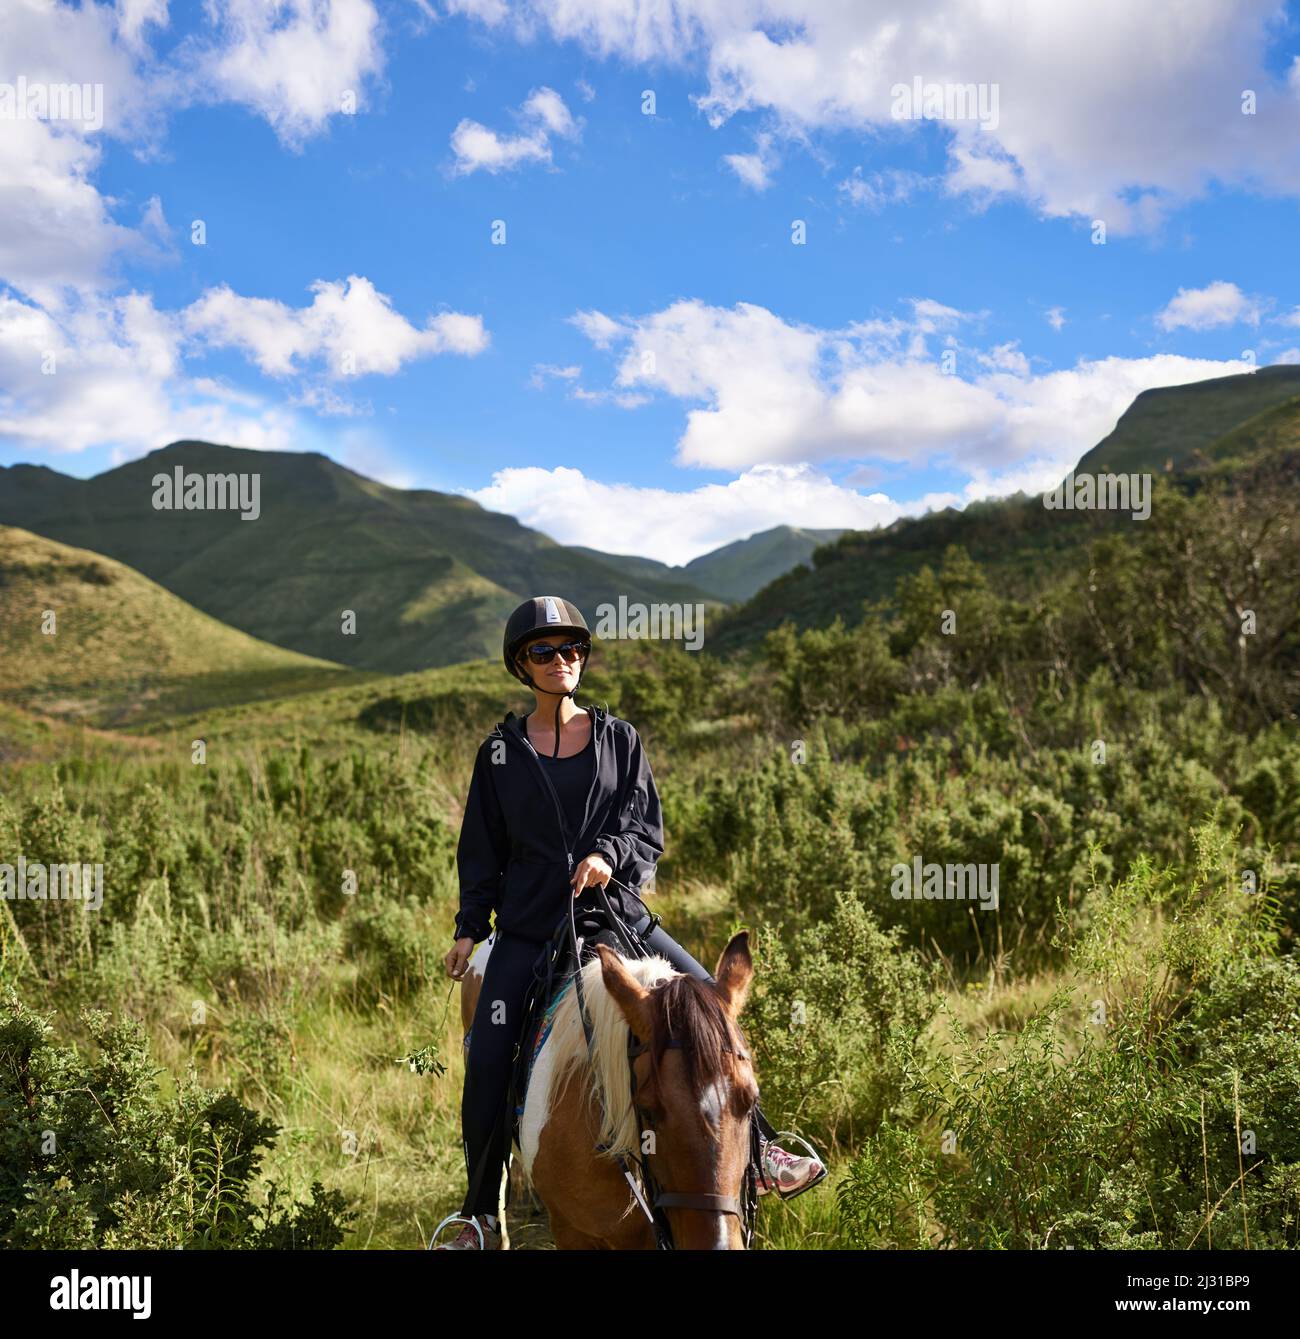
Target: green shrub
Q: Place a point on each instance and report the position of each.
(1112, 1123)
(833, 1014)
(92, 1156)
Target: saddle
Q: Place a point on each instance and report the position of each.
(553, 976)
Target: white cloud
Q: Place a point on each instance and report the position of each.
(56, 229)
(754, 169)
(134, 16)
(931, 316)
(347, 320)
(491, 12)
(982, 173)
(543, 372)
(1055, 317)
(1005, 358)
(117, 381)
(894, 186)
(1090, 124)
(542, 116)
(773, 391)
(325, 399)
(619, 399)
(546, 106)
(599, 328)
(290, 61)
(1217, 304)
(100, 369)
(475, 147)
(675, 527)
(750, 168)
(120, 377)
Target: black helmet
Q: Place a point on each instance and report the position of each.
(538, 617)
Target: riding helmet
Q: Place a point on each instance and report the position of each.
(539, 617)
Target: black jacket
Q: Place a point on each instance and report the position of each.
(515, 853)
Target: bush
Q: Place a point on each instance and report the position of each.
(831, 1018)
(91, 1156)
(1114, 1122)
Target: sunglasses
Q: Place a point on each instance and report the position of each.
(542, 654)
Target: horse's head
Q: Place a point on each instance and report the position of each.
(695, 1095)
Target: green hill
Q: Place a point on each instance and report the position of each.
(1273, 431)
(1164, 428)
(735, 571)
(740, 570)
(124, 650)
(1021, 544)
(640, 569)
(429, 576)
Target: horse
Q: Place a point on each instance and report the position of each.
(694, 1083)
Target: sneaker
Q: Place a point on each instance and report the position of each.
(468, 1239)
(787, 1174)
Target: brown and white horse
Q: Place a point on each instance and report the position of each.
(697, 1093)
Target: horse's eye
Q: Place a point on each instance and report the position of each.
(744, 1097)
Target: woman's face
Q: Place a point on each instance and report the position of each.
(558, 676)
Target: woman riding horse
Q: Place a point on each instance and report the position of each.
(547, 788)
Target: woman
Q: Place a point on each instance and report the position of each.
(564, 786)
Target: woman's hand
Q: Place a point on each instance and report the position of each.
(594, 871)
(457, 959)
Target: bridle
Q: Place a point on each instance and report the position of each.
(743, 1206)
(671, 1199)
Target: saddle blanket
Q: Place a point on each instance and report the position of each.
(543, 1031)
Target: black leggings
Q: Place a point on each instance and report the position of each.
(498, 1016)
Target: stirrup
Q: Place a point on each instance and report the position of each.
(458, 1218)
(777, 1138)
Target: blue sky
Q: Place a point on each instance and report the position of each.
(648, 364)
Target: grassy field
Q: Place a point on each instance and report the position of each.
(253, 1043)
(311, 1001)
(90, 639)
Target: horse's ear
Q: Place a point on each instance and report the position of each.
(632, 998)
(734, 974)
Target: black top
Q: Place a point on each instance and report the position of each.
(572, 777)
(511, 857)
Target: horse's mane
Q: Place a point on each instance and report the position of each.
(683, 1007)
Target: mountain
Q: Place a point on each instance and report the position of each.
(1164, 428)
(429, 577)
(736, 571)
(1269, 433)
(122, 648)
(636, 568)
(1194, 430)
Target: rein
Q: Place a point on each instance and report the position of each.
(743, 1206)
